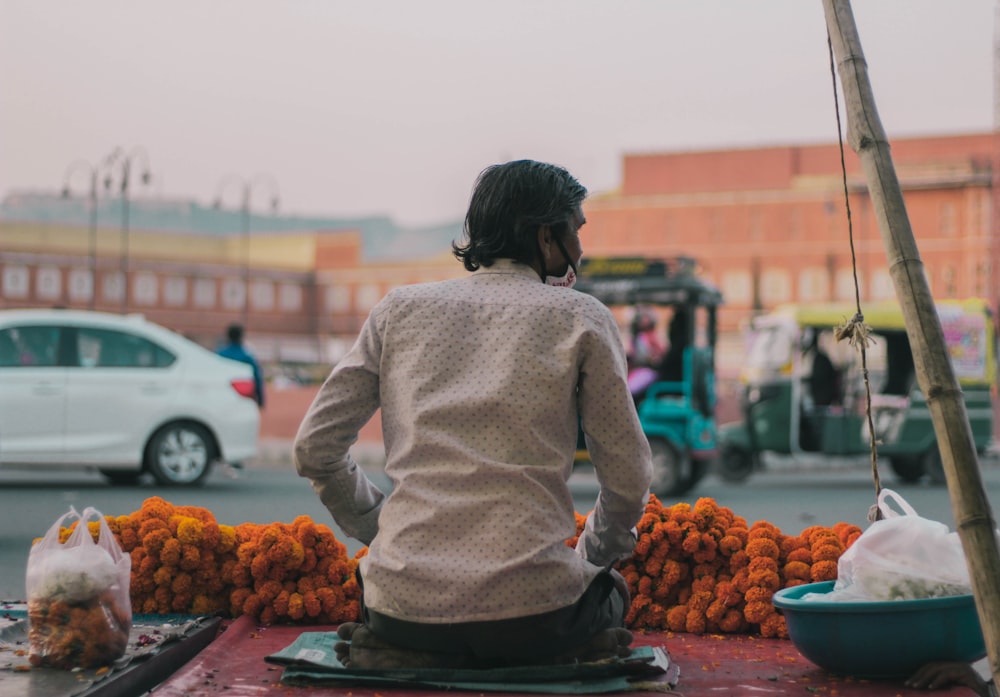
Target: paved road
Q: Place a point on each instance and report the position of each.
(790, 496)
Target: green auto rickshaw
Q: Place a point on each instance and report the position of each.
(676, 404)
(803, 392)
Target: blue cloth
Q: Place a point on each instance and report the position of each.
(237, 353)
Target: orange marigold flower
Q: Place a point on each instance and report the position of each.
(645, 585)
(823, 571)
(673, 572)
(803, 554)
(762, 564)
(774, 626)
(730, 544)
(190, 557)
(727, 594)
(280, 603)
(765, 579)
(715, 612)
(762, 547)
(677, 618)
(733, 621)
(739, 560)
(170, 553)
(154, 539)
(296, 606)
(695, 622)
(758, 594)
(796, 570)
(758, 611)
(762, 528)
(163, 576)
(827, 552)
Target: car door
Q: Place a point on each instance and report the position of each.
(32, 394)
(120, 391)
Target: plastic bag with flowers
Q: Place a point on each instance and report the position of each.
(79, 610)
(901, 557)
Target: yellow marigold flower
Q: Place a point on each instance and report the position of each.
(189, 530)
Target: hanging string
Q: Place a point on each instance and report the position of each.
(854, 330)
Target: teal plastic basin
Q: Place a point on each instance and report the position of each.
(880, 639)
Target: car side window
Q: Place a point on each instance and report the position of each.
(107, 348)
(9, 354)
(29, 347)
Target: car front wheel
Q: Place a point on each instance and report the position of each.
(180, 453)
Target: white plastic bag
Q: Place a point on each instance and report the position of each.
(901, 557)
(79, 610)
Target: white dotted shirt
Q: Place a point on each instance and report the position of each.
(480, 381)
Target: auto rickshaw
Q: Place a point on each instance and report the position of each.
(781, 415)
(677, 410)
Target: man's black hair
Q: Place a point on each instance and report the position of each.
(510, 202)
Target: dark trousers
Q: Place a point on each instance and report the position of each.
(531, 639)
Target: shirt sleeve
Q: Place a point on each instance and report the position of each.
(344, 404)
(618, 449)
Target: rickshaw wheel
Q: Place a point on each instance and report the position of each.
(671, 475)
(908, 469)
(933, 466)
(735, 464)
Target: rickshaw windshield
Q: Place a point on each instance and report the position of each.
(770, 352)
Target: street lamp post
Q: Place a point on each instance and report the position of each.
(246, 188)
(124, 160)
(91, 171)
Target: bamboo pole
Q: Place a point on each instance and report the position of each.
(935, 374)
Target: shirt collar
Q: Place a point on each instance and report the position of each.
(509, 266)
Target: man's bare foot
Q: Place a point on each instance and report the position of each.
(362, 649)
(608, 644)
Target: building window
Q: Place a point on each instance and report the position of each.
(15, 281)
(262, 295)
(368, 295)
(338, 299)
(146, 289)
(289, 297)
(946, 220)
(48, 283)
(233, 293)
(113, 287)
(948, 281)
(81, 285)
(844, 284)
(736, 287)
(775, 287)
(204, 293)
(175, 291)
(882, 288)
(812, 284)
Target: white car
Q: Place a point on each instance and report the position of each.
(121, 395)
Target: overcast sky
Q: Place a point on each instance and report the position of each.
(393, 107)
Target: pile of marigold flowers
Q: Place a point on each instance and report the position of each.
(702, 569)
(696, 569)
(183, 561)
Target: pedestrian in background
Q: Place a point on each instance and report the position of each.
(237, 352)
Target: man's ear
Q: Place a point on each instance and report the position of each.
(544, 238)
